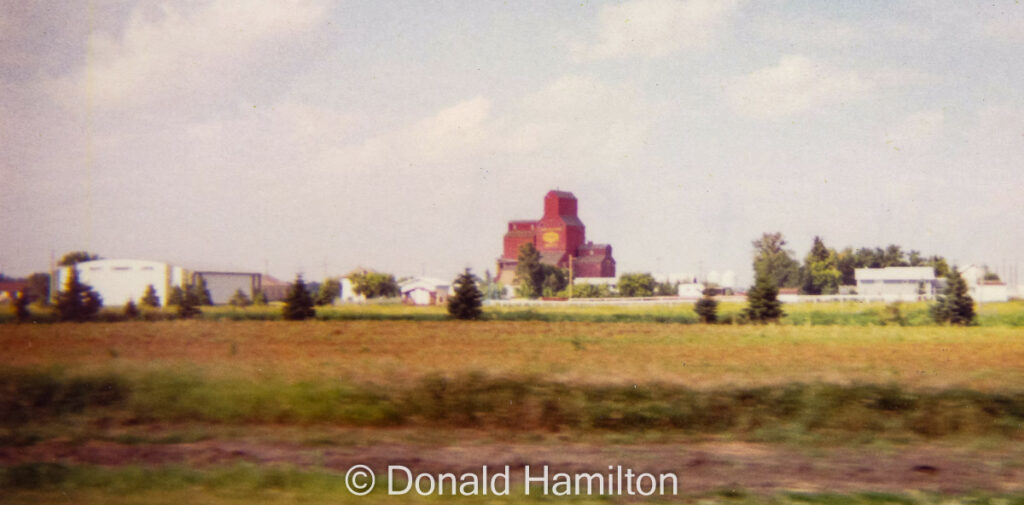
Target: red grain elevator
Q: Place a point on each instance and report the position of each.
(559, 235)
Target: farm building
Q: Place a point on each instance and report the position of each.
(9, 290)
(896, 283)
(120, 280)
(222, 285)
(982, 290)
(424, 291)
(560, 237)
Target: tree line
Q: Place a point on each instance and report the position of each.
(825, 269)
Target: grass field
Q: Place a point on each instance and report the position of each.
(200, 391)
(817, 314)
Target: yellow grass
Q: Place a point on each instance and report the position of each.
(395, 353)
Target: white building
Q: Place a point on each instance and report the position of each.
(425, 291)
(982, 290)
(118, 281)
(896, 283)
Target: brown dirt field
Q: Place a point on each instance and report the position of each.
(398, 352)
(700, 467)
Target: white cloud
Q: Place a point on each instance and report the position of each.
(655, 28)
(796, 84)
(183, 51)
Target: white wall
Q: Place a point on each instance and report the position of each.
(118, 281)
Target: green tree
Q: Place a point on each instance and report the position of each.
(590, 291)
(954, 305)
(188, 307)
(636, 284)
(259, 298)
(707, 308)
(762, 300)
(298, 305)
(239, 299)
(176, 296)
(328, 292)
(771, 258)
(201, 291)
(555, 280)
(530, 273)
(75, 257)
(78, 301)
(149, 298)
(21, 311)
(130, 310)
(375, 285)
(820, 273)
(467, 302)
(666, 289)
(39, 288)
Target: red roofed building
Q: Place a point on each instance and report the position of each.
(559, 235)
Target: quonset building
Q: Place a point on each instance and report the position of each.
(560, 237)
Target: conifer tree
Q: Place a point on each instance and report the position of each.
(954, 306)
(176, 296)
(188, 307)
(202, 293)
(762, 300)
(467, 301)
(130, 310)
(529, 272)
(149, 298)
(78, 301)
(298, 305)
(259, 298)
(707, 308)
(239, 299)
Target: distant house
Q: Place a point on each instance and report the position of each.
(9, 289)
(982, 290)
(424, 291)
(896, 283)
(274, 289)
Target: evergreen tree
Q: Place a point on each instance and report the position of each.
(149, 298)
(467, 301)
(762, 300)
(21, 312)
(176, 297)
(201, 292)
(259, 298)
(78, 301)
(189, 305)
(130, 310)
(298, 305)
(707, 308)
(954, 306)
(239, 299)
(529, 272)
(328, 292)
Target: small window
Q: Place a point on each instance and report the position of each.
(95, 269)
(122, 269)
(147, 268)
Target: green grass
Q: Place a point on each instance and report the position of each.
(832, 313)
(474, 400)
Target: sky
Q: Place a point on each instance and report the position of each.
(306, 136)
